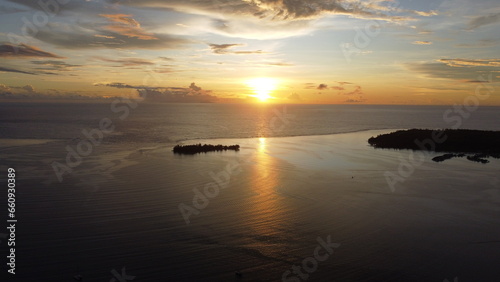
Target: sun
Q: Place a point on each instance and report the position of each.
(262, 87)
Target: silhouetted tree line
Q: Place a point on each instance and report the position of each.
(199, 148)
(480, 143)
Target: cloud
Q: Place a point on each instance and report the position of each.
(423, 14)
(339, 88)
(52, 65)
(357, 91)
(127, 62)
(29, 88)
(457, 69)
(344, 82)
(294, 97)
(471, 62)
(16, 91)
(355, 100)
(166, 58)
(271, 19)
(422, 42)
(225, 49)
(483, 43)
(95, 35)
(4, 88)
(4, 69)
(194, 87)
(8, 50)
(484, 20)
(279, 64)
(322, 86)
(9, 10)
(125, 25)
(279, 10)
(222, 48)
(191, 94)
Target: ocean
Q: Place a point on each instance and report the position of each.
(173, 123)
(100, 195)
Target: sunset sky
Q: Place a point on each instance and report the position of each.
(280, 51)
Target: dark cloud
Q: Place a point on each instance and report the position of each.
(322, 86)
(484, 20)
(51, 65)
(4, 69)
(191, 94)
(357, 91)
(139, 87)
(194, 87)
(10, 10)
(355, 100)
(222, 48)
(87, 36)
(278, 9)
(456, 69)
(225, 49)
(483, 43)
(343, 82)
(127, 62)
(29, 88)
(8, 50)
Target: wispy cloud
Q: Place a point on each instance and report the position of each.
(226, 49)
(278, 64)
(422, 42)
(484, 20)
(280, 10)
(4, 69)
(355, 100)
(91, 36)
(127, 62)
(52, 65)
(464, 70)
(191, 94)
(8, 50)
(483, 43)
(357, 91)
(471, 62)
(125, 25)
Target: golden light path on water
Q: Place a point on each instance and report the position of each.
(266, 210)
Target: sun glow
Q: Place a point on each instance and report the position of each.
(262, 87)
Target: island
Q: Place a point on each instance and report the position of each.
(475, 145)
(199, 148)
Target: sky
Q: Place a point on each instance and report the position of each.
(252, 51)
